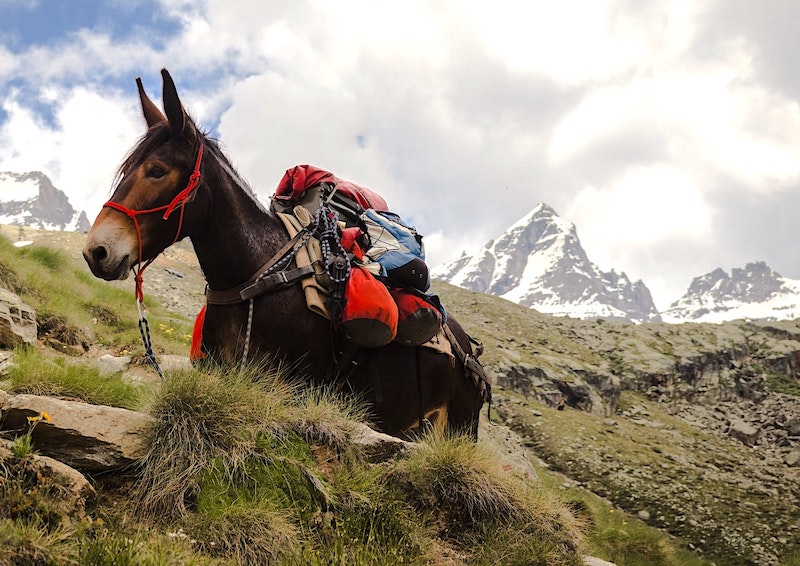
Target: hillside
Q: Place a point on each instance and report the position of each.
(689, 428)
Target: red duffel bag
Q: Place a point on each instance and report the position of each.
(370, 314)
(418, 321)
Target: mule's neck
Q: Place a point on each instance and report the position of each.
(238, 235)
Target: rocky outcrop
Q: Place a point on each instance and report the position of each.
(89, 438)
(595, 393)
(17, 321)
(76, 482)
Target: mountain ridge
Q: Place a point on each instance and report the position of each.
(31, 199)
(539, 262)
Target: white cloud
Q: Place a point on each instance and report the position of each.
(630, 118)
(81, 148)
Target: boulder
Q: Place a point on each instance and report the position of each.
(792, 459)
(17, 321)
(108, 364)
(89, 438)
(744, 432)
(595, 393)
(376, 446)
(76, 482)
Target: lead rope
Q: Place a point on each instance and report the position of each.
(247, 334)
(144, 330)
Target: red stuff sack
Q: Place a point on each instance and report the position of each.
(418, 322)
(370, 314)
(196, 352)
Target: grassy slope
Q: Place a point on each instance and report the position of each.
(351, 513)
(734, 503)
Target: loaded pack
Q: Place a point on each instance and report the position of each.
(370, 276)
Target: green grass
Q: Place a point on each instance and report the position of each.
(59, 376)
(76, 311)
(244, 469)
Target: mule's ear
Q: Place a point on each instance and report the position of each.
(152, 115)
(179, 122)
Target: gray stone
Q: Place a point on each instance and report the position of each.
(89, 438)
(6, 359)
(174, 362)
(644, 515)
(792, 459)
(17, 321)
(76, 481)
(743, 432)
(592, 561)
(109, 364)
(375, 446)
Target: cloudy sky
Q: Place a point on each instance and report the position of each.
(667, 131)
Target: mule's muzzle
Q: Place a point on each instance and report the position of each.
(106, 265)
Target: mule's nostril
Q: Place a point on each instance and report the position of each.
(99, 254)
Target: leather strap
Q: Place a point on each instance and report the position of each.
(479, 377)
(276, 280)
(251, 289)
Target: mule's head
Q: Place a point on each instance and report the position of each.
(138, 222)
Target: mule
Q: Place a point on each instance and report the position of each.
(177, 183)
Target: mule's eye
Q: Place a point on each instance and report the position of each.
(156, 172)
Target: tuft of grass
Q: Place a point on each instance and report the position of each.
(323, 417)
(49, 258)
(200, 416)
(36, 374)
(474, 499)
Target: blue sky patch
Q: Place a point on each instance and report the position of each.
(50, 22)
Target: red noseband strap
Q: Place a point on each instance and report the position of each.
(179, 200)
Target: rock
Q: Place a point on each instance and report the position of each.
(792, 459)
(17, 321)
(592, 561)
(743, 432)
(109, 364)
(89, 438)
(596, 393)
(6, 359)
(793, 427)
(173, 362)
(80, 489)
(376, 446)
(644, 515)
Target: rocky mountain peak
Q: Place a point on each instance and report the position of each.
(539, 262)
(755, 291)
(31, 199)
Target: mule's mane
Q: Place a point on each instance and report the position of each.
(160, 134)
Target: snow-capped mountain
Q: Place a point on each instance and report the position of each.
(755, 292)
(539, 262)
(30, 199)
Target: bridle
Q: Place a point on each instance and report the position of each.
(180, 200)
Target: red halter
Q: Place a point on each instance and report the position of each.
(179, 200)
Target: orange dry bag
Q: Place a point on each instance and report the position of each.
(369, 317)
(418, 322)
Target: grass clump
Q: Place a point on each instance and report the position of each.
(472, 500)
(36, 374)
(201, 416)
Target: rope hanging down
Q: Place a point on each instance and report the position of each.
(179, 201)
